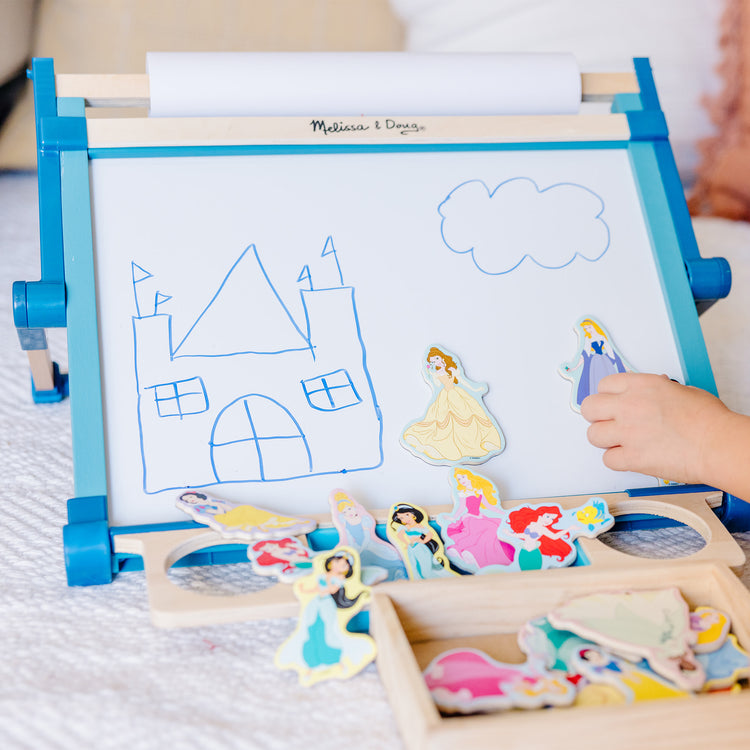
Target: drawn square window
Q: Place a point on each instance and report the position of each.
(180, 398)
(331, 392)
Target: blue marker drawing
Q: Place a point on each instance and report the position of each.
(253, 393)
(518, 220)
(138, 274)
(180, 398)
(160, 299)
(280, 332)
(304, 275)
(279, 445)
(329, 249)
(331, 391)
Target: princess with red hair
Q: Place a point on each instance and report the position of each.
(286, 558)
(535, 527)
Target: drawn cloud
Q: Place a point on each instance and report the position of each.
(500, 228)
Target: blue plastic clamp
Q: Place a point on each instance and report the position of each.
(86, 541)
(710, 278)
(39, 304)
(734, 514)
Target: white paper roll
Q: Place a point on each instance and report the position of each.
(202, 84)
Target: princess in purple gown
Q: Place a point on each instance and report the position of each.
(597, 359)
(470, 530)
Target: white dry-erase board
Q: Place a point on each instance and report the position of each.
(263, 318)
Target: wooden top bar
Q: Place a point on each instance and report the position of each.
(153, 132)
(132, 90)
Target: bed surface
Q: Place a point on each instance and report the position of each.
(84, 667)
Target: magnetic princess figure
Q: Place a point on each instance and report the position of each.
(711, 627)
(356, 527)
(544, 535)
(286, 559)
(635, 683)
(241, 521)
(321, 648)
(200, 503)
(456, 428)
(597, 357)
(542, 544)
(470, 529)
(468, 680)
(419, 544)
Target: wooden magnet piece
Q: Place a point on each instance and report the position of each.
(470, 530)
(725, 666)
(543, 535)
(652, 625)
(456, 428)
(239, 521)
(356, 527)
(711, 627)
(419, 545)
(553, 648)
(321, 647)
(466, 680)
(636, 682)
(596, 357)
(285, 559)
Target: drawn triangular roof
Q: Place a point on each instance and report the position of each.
(245, 315)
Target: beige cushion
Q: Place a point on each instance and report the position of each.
(113, 36)
(16, 24)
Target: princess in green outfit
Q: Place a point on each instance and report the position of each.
(420, 546)
(535, 527)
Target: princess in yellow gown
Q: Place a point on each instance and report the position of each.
(241, 520)
(633, 682)
(456, 427)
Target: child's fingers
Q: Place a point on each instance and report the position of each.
(616, 383)
(617, 459)
(603, 434)
(599, 406)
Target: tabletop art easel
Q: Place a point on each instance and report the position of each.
(76, 143)
(72, 136)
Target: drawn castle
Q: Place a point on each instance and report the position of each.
(250, 394)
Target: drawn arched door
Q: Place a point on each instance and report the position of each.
(257, 439)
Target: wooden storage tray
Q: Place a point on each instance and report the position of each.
(172, 606)
(412, 624)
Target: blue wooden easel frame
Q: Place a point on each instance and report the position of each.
(65, 294)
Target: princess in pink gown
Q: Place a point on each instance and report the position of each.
(468, 680)
(471, 531)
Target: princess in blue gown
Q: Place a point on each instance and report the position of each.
(321, 647)
(356, 527)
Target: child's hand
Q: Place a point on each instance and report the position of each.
(652, 425)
